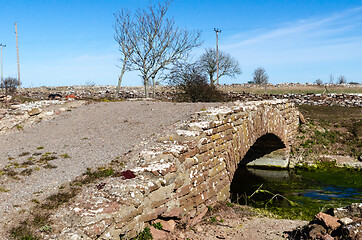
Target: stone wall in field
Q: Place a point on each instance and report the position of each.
(180, 177)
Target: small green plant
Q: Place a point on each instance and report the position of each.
(229, 204)
(158, 225)
(11, 173)
(27, 163)
(100, 173)
(65, 155)
(36, 201)
(40, 220)
(45, 228)
(209, 209)
(57, 199)
(24, 154)
(22, 232)
(213, 219)
(144, 235)
(19, 127)
(40, 148)
(49, 166)
(3, 190)
(26, 172)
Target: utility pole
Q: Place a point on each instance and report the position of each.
(2, 81)
(217, 53)
(17, 52)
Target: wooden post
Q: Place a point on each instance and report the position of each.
(17, 52)
(217, 54)
(2, 81)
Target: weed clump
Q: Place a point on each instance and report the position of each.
(158, 225)
(22, 232)
(24, 154)
(58, 199)
(94, 175)
(144, 235)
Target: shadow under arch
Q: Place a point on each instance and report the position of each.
(266, 148)
(267, 152)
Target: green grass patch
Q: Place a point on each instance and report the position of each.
(144, 235)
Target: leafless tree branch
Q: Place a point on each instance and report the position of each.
(149, 41)
(227, 65)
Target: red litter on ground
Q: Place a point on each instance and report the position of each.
(128, 174)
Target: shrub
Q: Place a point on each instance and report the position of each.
(10, 84)
(192, 84)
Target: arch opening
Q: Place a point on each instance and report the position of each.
(268, 151)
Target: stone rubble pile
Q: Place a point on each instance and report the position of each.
(332, 99)
(16, 115)
(337, 223)
(98, 92)
(168, 93)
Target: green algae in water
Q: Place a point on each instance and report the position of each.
(313, 190)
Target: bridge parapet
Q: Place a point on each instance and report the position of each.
(184, 174)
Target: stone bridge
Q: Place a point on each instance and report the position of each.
(185, 173)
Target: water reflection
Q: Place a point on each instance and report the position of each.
(311, 191)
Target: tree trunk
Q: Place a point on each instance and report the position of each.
(211, 79)
(120, 77)
(145, 83)
(154, 87)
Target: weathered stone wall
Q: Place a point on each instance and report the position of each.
(168, 92)
(179, 178)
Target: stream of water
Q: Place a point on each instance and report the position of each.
(297, 193)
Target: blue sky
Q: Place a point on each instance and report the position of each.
(67, 42)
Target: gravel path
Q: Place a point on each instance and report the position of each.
(36, 160)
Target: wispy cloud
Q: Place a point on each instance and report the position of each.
(303, 29)
(317, 45)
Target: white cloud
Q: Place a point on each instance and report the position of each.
(333, 42)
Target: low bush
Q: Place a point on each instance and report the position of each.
(192, 85)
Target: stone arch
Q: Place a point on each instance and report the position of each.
(263, 122)
(265, 148)
(185, 172)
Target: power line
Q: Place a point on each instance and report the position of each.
(217, 31)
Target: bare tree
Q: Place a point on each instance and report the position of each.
(260, 76)
(10, 84)
(331, 79)
(228, 66)
(318, 82)
(342, 79)
(122, 26)
(152, 41)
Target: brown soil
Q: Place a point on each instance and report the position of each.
(329, 131)
(239, 222)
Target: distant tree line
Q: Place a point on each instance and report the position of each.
(340, 80)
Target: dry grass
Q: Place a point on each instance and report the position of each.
(331, 130)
